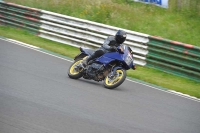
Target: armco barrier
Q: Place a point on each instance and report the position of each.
(174, 57)
(69, 30)
(162, 54)
(19, 16)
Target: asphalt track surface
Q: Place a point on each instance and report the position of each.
(37, 96)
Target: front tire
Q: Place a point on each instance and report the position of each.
(117, 80)
(72, 72)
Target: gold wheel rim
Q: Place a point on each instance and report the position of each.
(72, 69)
(116, 80)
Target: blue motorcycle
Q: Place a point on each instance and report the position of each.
(109, 68)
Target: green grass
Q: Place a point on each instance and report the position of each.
(182, 26)
(142, 73)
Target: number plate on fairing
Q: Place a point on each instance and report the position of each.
(128, 59)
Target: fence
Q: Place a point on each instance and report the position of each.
(162, 54)
(192, 6)
(174, 57)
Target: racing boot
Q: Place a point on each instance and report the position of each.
(93, 56)
(86, 60)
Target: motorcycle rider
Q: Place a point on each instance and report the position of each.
(109, 45)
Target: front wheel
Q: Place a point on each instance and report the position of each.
(75, 70)
(114, 81)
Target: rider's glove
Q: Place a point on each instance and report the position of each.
(114, 48)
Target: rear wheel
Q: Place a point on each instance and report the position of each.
(75, 70)
(114, 81)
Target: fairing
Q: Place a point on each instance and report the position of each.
(124, 57)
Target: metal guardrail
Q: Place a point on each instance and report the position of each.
(172, 57)
(69, 30)
(19, 16)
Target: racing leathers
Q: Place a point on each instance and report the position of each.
(109, 45)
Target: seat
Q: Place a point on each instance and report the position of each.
(87, 50)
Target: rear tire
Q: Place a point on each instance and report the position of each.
(72, 73)
(116, 81)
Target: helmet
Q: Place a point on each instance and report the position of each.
(120, 36)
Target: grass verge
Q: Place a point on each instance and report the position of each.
(149, 75)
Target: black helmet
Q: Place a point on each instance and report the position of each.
(120, 36)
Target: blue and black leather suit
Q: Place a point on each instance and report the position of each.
(110, 45)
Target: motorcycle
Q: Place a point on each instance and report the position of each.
(109, 68)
